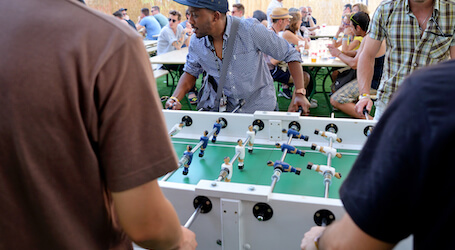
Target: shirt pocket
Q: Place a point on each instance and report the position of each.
(440, 47)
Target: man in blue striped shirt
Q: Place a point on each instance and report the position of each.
(248, 77)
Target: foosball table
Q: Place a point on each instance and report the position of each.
(259, 181)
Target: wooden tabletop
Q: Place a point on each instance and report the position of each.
(173, 57)
(327, 31)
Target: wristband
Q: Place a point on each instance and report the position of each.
(345, 36)
(175, 99)
(364, 95)
(344, 39)
(335, 39)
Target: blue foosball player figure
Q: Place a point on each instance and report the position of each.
(284, 167)
(217, 125)
(204, 139)
(291, 149)
(295, 134)
(189, 155)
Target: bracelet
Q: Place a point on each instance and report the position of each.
(364, 95)
(175, 99)
(335, 38)
(344, 39)
(345, 36)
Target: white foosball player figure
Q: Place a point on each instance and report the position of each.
(250, 133)
(240, 148)
(176, 129)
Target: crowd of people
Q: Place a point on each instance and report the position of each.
(84, 140)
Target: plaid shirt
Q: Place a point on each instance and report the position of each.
(406, 50)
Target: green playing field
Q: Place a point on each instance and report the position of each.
(256, 171)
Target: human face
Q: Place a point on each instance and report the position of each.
(173, 21)
(310, 11)
(153, 12)
(304, 12)
(236, 12)
(355, 9)
(202, 21)
(284, 23)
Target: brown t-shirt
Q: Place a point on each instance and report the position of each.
(79, 115)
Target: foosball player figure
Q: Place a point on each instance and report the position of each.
(250, 133)
(327, 135)
(291, 149)
(295, 134)
(284, 167)
(240, 148)
(326, 150)
(226, 167)
(176, 129)
(218, 126)
(189, 155)
(204, 140)
(323, 169)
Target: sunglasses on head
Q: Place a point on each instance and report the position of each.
(172, 20)
(352, 19)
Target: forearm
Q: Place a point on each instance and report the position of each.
(295, 68)
(346, 58)
(365, 70)
(179, 43)
(186, 82)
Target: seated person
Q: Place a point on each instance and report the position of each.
(345, 98)
(278, 69)
(172, 37)
(307, 20)
(357, 30)
(347, 42)
(152, 26)
(260, 16)
(360, 7)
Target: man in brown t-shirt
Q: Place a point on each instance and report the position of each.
(82, 137)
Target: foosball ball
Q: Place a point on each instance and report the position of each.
(259, 181)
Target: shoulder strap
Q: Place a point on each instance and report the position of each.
(227, 59)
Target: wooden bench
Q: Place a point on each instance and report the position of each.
(160, 72)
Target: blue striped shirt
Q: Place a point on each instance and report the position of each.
(248, 76)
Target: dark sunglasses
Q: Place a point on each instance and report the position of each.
(172, 20)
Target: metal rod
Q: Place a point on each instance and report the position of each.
(285, 152)
(193, 216)
(184, 160)
(329, 164)
(272, 186)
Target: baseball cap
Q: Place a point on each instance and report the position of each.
(216, 5)
(280, 13)
(122, 9)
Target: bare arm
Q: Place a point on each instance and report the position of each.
(365, 71)
(179, 43)
(452, 52)
(186, 82)
(343, 234)
(295, 68)
(291, 38)
(149, 219)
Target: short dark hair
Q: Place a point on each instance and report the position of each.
(348, 5)
(176, 13)
(187, 12)
(259, 15)
(361, 19)
(118, 13)
(145, 11)
(156, 8)
(240, 7)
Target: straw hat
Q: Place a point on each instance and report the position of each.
(280, 13)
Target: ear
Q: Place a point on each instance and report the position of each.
(216, 16)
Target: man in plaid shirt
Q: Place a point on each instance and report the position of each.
(418, 33)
